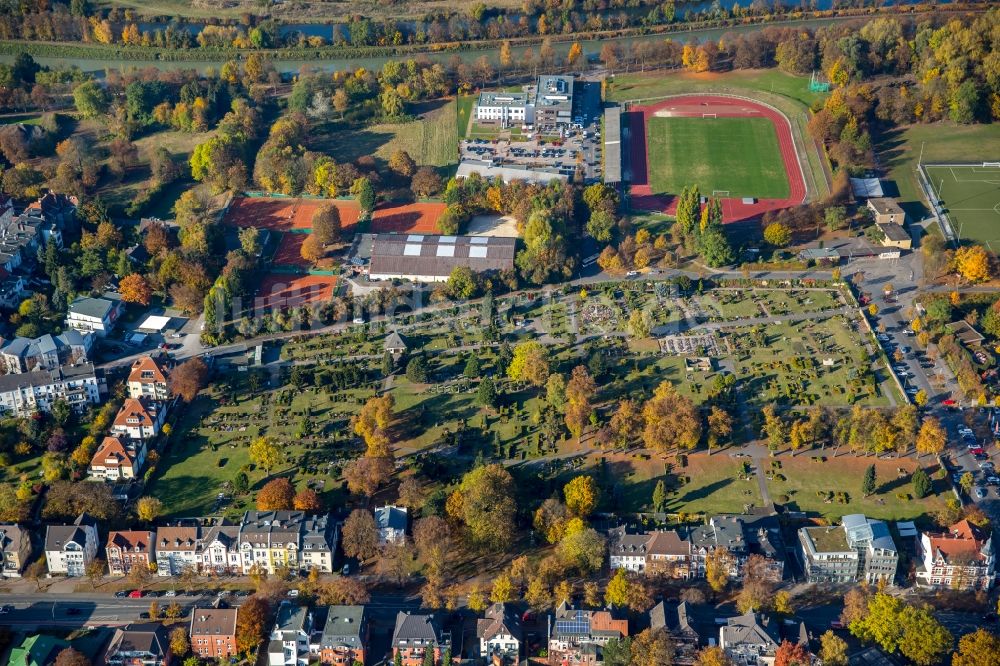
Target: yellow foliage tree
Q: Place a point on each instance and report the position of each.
(973, 263)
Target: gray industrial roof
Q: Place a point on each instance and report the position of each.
(424, 255)
(507, 173)
(503, 99)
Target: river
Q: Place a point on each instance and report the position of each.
(591, 49)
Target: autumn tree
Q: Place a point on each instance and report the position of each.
(671, 420)
(264, 453)
(973, 263)
(135, 289)
(401, 163)
(484, 503)
(372, 422)
(777, 234)
(366, 475)
(833, 650)
(71, 657)
(979, 648)
(581, 495)
(311, 249)
(581, 547)
(792, 654)
(502, 590)
(326, 225)
(931, 439)
(720, 426)
(343, 591)
(530, 364)
(580, 389)
(276, 495)
(188, 378)
(434, 544)
(307, 500)
(252, 624)
(148, 509)
(652, 647)
(180, 644)
(359, 536)
(717, 565)
(712, 656)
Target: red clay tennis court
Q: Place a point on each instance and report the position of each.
(279, 291)
(733, 210)
(407, 218)
(289, 252)
(284, 214)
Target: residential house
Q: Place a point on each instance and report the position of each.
(140, 418)
(750, 639)
(177, 549)
(293, 539)
(146, 644)
(877, 554)
(741, 536)
(319, 543)
(500, 634)
(148, 379)
(344, 639)
(57, 214)
(80, 386)
(13, 289)
(213, 632)
(659, 552)
(826, 555)
(686, 624)
(578, 636)
(15, 549)
(415, 634)
(894, 235)
(289, 645)
(394, 344)
(961, 558)
(37, 650)
(70, 548)
(129, 549)
(220, 550)
(391, 521)
(46, 352)
(115, 460)
(94, 315)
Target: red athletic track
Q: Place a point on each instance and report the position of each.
(733, 210)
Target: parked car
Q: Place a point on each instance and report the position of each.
(143, 616)
(135, 594)
(5, 609)
(293, 593)
(121, 594)
(993, 480)
(981, 493)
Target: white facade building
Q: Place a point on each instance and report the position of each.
(70, 548)
(30, 392)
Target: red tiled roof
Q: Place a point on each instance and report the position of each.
(146, 370)
(963, 541)
(133, 409)
(130, 540)
(111, 447)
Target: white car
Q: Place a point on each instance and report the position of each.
(631, 273)
(359, 320)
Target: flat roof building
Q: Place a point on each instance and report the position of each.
(424, 258)
(554, 101)
(504, 109)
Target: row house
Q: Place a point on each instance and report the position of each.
(752, 639)
(577, 636)
(46, 352)
(15, 550)
(148, 379)
(220, 550)
(127, 550)
(140, 419)
(177, 549)
(344, 639)
(146, 644)
(961, 558)
(685, 623)
(213, 633)
(290, 637)
(740, 536)
(80, 386)
(416, 634)
(269, 540)
(117, 460)
(22, 236)
(659, 552)
(70, 548)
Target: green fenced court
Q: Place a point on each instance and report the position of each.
(732, 157)
(970, 196)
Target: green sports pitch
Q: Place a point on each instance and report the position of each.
(736, 156)
(970, 195)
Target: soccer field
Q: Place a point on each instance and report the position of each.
(733, 157)
(970, 195)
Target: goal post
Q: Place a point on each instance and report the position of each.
(709, 115)
(720, 193)
(991, 165)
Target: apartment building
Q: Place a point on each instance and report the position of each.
(127, 550)
(213, 632)
(148, 379)
(961, 558)
(23, 394)
(70, 548)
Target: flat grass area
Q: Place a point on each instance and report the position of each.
(971, 198)
(710, 484)
(739, 156)
(811, 484)
(431, 139)
(464, 107)
(785, 92)
(941, 143)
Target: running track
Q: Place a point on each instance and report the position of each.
(733, 210)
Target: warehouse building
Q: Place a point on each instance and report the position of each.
(425, 258)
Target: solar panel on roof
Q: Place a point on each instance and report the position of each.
(447, 239)
(446, 250)
(479, 240)
(415, 238)
(477, 252)
(411, 250)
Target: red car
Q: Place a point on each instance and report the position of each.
(135, 594)
(977, 452)
(948, 403)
